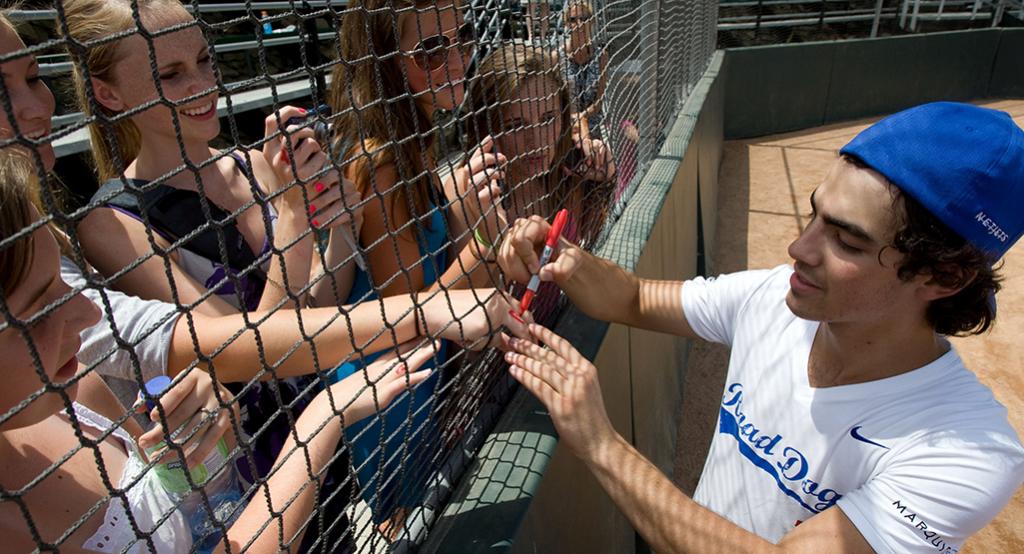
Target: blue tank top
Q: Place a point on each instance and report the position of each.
(391, 471)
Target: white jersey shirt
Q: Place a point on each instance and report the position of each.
(918, 462)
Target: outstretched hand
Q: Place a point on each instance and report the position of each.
(475, 318)
(568, 386)
(361, 394)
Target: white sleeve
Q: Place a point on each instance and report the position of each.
(937, 493)
(144, 326)
(712, 305)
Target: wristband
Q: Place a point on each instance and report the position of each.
(480, 238)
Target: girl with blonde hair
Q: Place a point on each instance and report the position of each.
(150, 136)
(178, 221)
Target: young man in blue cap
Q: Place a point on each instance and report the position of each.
(848, 422)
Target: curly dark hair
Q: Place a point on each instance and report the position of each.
(930, 247)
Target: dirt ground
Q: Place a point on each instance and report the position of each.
(764, 185)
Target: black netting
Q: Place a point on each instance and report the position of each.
(292, 210)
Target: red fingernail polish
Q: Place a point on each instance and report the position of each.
(284, 156)
(312, 208)
(319, 186)
(302, 111)
(316, 223)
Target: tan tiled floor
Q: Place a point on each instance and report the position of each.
(763, 201)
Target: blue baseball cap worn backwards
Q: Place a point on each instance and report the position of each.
(963, 163)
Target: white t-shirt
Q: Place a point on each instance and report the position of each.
(153, 509)
(144, 325)
(918, 462)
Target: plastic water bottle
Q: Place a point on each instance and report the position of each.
(216, 475)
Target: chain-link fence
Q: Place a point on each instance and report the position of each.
(289, 215)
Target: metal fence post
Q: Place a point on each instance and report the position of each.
(311, 44)
(878, 17)
(997, 14)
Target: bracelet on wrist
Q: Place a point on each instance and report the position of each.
(480, 239)
(493, 248)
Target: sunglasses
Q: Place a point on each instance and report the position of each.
(432, 52)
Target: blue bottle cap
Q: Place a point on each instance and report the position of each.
(155, 387)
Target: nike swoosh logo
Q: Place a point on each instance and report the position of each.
(855, 433)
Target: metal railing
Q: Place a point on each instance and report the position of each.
(901, 15)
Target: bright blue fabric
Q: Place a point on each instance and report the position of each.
(963, 163)
(380, 485)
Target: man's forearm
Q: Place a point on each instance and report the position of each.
(605, 291)
(660, 308)
(665, 517)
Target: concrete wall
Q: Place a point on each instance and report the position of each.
(1007, 79)
(778, 88)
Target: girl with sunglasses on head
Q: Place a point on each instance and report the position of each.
(401, 62)
(161, 342)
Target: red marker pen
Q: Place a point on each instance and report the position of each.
(545, 256)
